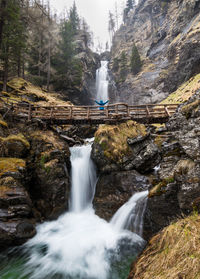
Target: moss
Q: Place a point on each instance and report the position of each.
(159, 141)
(189, 108)
(11, 165)
(3, 124)
(14, 138)
(113, 138)
(159, 189)
(184, 92)
(174, 152)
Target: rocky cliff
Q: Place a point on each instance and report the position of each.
(84, 79)
(167, 35)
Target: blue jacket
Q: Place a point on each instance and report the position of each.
(101, 104)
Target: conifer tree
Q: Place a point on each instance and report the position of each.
(135, 60)
(74, 18)
(13, 39)
(123, 66)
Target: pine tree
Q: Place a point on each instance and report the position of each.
(129, 6)
(74, 18)
(136, 63)
(123, 66)
(13, 40)
(111, 25)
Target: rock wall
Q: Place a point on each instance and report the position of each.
(178, 191)
(84, 93)
(167, 35)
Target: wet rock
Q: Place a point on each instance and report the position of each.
(15, 203)
(124, 147)
(50, 183)
(115, 188)
(15, 232)
(14, 146)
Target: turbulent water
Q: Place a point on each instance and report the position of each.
(80, 245)
(102, 82)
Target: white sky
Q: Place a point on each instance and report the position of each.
(95, 13)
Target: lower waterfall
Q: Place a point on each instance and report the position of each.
(80, 245)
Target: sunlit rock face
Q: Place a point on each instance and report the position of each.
(167, 36)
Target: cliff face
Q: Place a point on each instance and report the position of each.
(167, 35)
(84, 78)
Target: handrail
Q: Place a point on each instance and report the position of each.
(118, 111)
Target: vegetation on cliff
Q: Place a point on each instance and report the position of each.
(173, 253)
(113, 138)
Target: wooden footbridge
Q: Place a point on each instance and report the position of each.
(151, 113)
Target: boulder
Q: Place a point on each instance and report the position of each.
(15, 203)
(125, 146)
(14, 146)
(115, 188)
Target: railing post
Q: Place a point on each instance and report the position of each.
(116, 109)
(71, 112)
(166, 110)
(88, 113)
(107, 112)
(30, 112)
(147, 111)
(128, 111)
(51, 114)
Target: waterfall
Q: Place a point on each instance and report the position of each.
(80, 244)
(83, 178)
(102, 82)
(130, 215)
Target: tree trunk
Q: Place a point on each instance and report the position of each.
(19, 66)
(2, 18)
(49, 64)
(5, 74)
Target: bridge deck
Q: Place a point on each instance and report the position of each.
(151, 113)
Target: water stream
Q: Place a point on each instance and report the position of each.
(80, 245)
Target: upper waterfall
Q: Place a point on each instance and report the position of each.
(102, 82)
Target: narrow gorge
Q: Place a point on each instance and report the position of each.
(116, 196)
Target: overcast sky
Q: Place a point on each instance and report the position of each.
(95, 13)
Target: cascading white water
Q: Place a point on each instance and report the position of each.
(80, 244)
(102, 82)
(83, 178)
(130, 215)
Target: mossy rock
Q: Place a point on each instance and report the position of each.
(14, 146)
(159, 189)
(191, 108)
(8, 165)
(113, 139)
(3, 124)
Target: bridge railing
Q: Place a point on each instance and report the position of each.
(113, 111)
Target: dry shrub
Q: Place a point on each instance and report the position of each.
(172, 254)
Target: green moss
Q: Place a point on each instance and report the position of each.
(3, 124)
(174, 152)
(11, 165)
(188, 109)
(159, 189)
(14, 138)
(113, 138)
